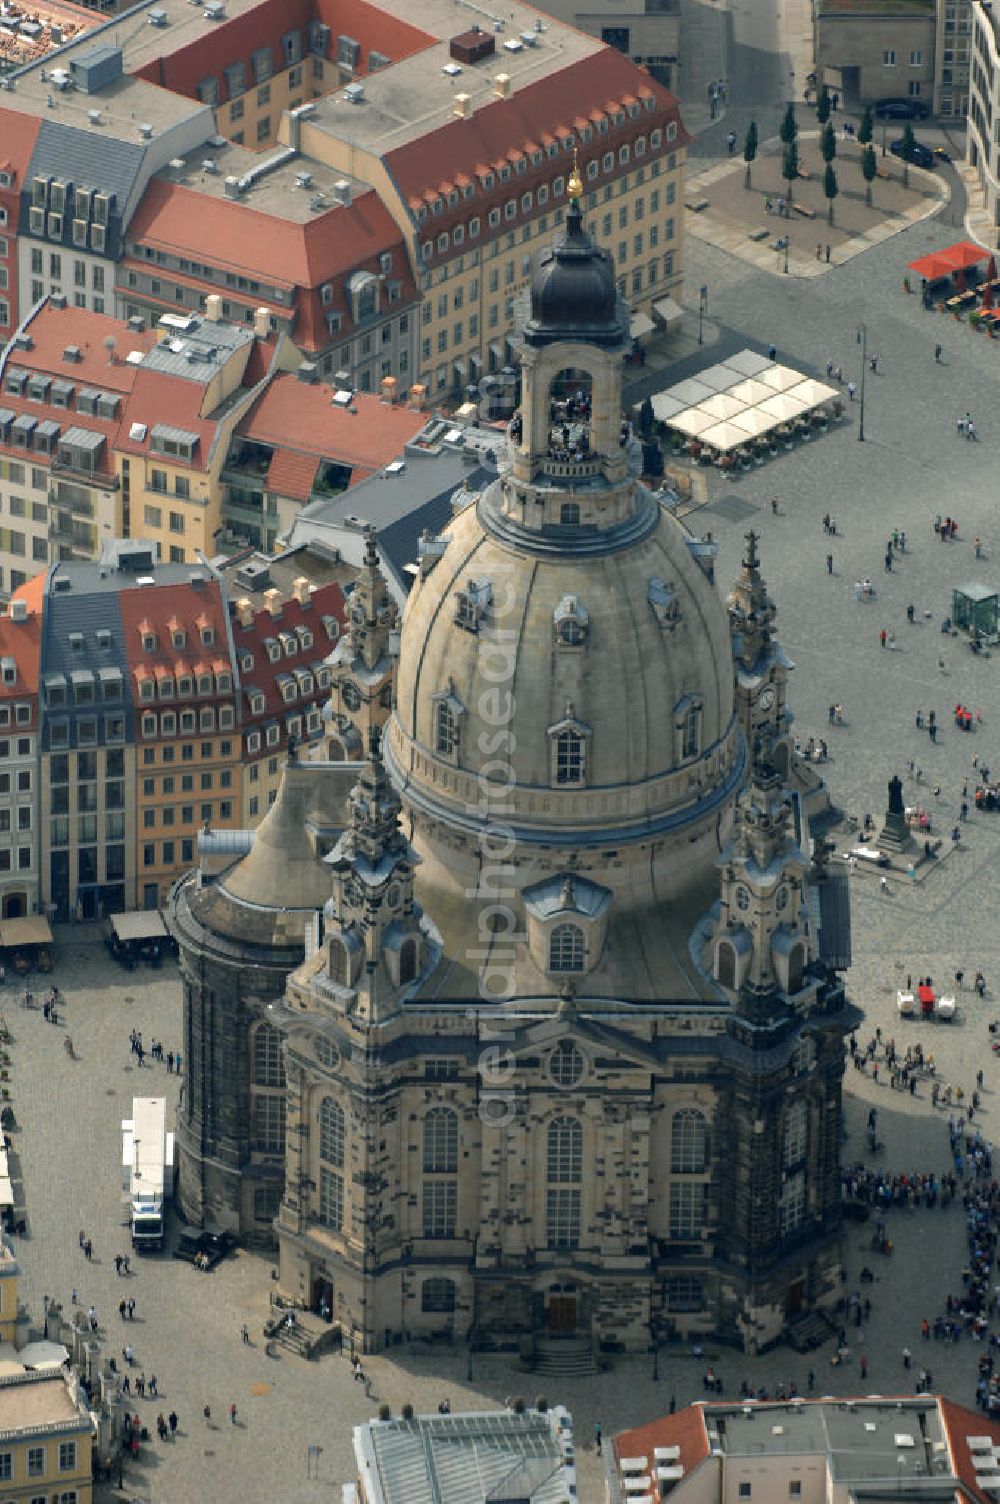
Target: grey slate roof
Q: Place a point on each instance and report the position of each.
(83, 611)
(835, 921)
(87, 159)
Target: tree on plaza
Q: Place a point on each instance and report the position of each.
(828, 143)
(749, 150)
(788, 129)
(867, 126)
(906, 152)
(869, 168)
(830, 190)
(823, 105)
(790, 165)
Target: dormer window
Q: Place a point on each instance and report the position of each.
(147, 689)
(448, 713)
(256, 702)
(167, 687)
(663, 600)
(273, 647)
(184, 684)
(178, 637)
(472, 603)
(246, 662)
(687, 728)
(204, 684)
(568, 751)
(571, 623)
(206, 633)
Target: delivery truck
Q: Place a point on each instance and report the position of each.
(147, 1170)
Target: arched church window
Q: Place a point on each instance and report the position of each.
(564, 1165)
(331, 1133)
(567, 948)
(446, 734)
(689, 732)
(795, 1134)
(268, 1068)
(569, 757)
(407, 960)
(441, 1141)
(339, 967)
(688, 1142)
(796, 966)
(437, 1295)
(726, 964)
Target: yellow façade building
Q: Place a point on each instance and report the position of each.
(46, 1438)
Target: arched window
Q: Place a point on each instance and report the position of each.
(569, 757)
(688, 1142)
(567, 948)
(339, 968)
(331, 1132)
(569, 514)
(725, 969)
(564, 1175)
(437, 1295)
(441, 1141)
(795, 1134)
(796, 966)
(689, 731)
(268, 1068)
(446, 732)
(407, 960)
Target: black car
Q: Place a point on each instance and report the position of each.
(922, 155)
(901, 109)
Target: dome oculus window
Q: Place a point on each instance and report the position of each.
(327, 1053)
(566, 1065)
(351, 696)
(571, 623)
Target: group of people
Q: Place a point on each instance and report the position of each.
(966, 426)
(966, 718)
(946, 528)
(156, 1052)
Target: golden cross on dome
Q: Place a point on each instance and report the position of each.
(576, 182)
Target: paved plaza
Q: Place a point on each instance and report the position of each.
(911, 467)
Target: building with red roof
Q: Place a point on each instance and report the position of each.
(857, 1449)
(17, 142)
(179, 655)
(302, 440)
(20, 648)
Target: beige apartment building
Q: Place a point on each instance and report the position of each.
(875, 49)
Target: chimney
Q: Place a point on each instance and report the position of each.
(213, 307)
(418, 395)
(300, 590)
(342, 193)
(388, 388)
(19, 610)
(463, 106)
(262, 323)
(272, 600)
(244, 612)
(501, 86)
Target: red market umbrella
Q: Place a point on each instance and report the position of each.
(991, 270)
(987, 298)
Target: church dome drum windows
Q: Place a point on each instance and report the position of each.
(448, 712)
(567, 949)
(688, 1142)
(331, 1155)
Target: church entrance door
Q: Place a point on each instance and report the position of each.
(561, 1315)
(322, 1297)
(793, 1298)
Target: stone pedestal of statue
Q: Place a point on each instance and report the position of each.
(895, 834)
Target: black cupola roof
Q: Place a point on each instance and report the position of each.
(573, 292)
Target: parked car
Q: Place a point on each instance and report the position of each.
(901, 109)
(922, 155)
(203, 1249)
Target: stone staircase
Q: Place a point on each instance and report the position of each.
(804, 1333)
(564, 1357)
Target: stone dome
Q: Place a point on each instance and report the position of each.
(626, 650)
(574, 295)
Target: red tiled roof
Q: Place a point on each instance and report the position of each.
(21, 640)
(264, 26)
(300, 417)
(292, 474)
(266, 248)
(686, 1430)
(53, 329)
(158, 398)
(528, 114)
(153, 607)
(961, 1423)
(327, 600)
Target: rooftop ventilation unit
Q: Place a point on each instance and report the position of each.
(232, 186)
(355, 93)
(137, 433)
(471, 46)
(94, 116)
(342, 192)
(157, 16)
(343, 398)
(529, 38)
(177, 163)
(209, 165)
(60, 79)
(214, 10)
(317, 202)
(137, 323)
(452, 70)
(303, 180)
(146, 131)
(513, 44)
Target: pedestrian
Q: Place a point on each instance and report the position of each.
(172, 1422)
(774, 505)
(131, 1310)
(125, 1266)
(851, 389)
(232, 1412)
(902, 541)
(819, 251)
(177, 1063)
(88, 1249)
(906, 1357)
(597, 1436)
(92, 1318)
(888, 561)
(772, 352)
(121, 1309)
(977, 544)
(828, 255)
(170, 1062)
(207, 1412)
(126, 1386)
(118, 1263)
(140, 1386)
(245, 1334)
(152, 1383)
(74, 1298)
(829, 563)
(863, 1362)
(882, 636)
(937, 354)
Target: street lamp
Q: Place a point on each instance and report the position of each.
(702, 305)
(786, 252)
(863, 342)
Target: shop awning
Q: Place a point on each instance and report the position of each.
(33, 929)
(668, 312)
(640, 324)
(140, 924)
(953, 258)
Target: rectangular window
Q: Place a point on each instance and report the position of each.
(562, 1217)
(36, 1462)
(440, 1208)
(889, 57)
(331, 1199)
(688, 1209)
